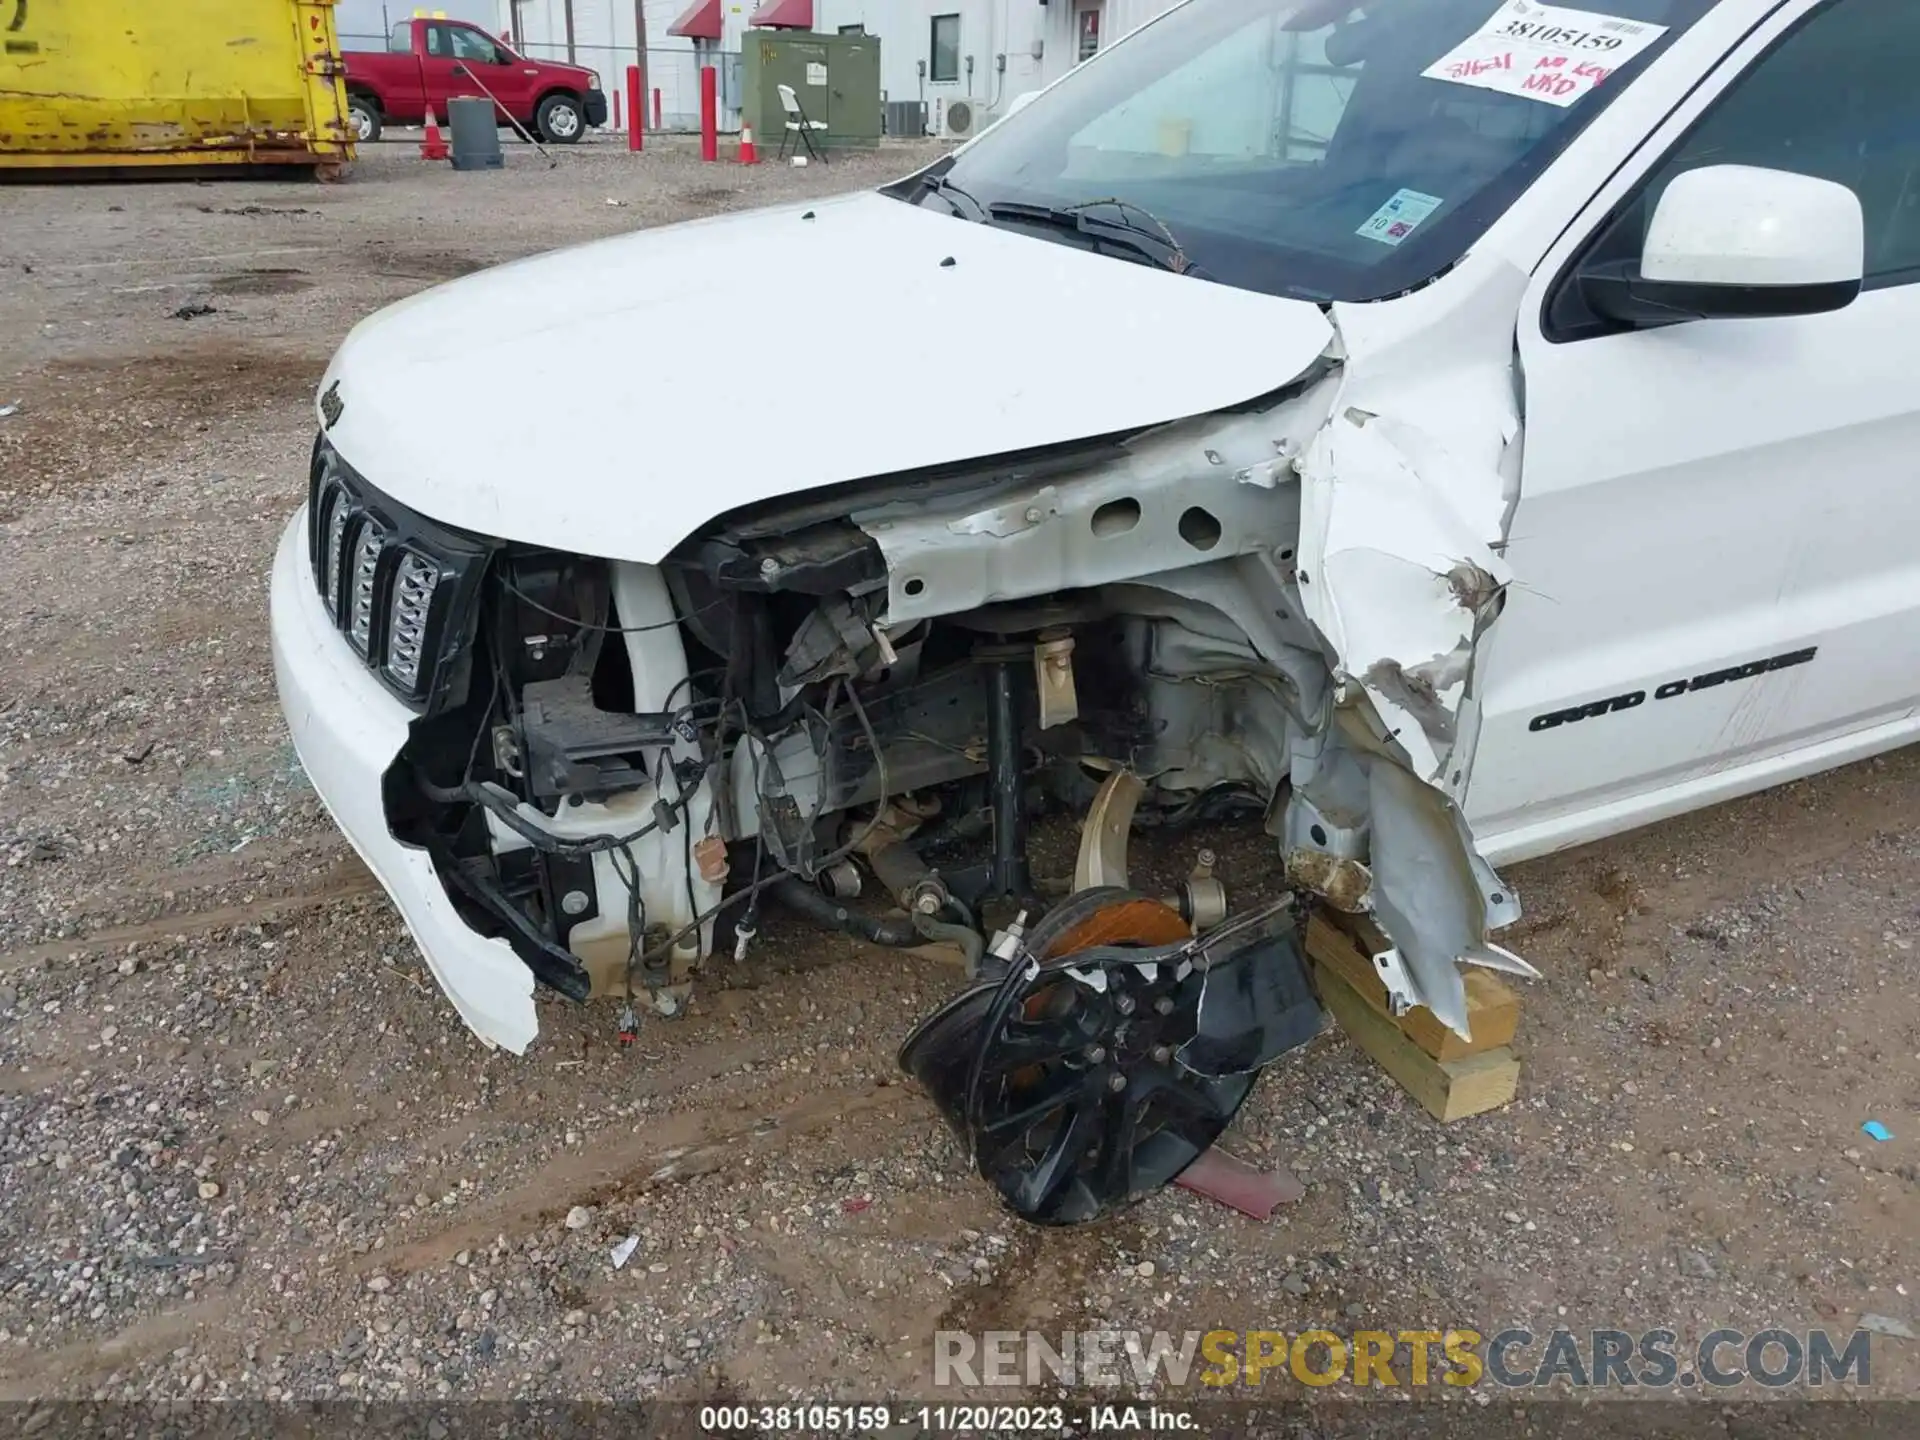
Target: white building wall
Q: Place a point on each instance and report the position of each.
(988, 29)
(1014, 45)
(1117, 18)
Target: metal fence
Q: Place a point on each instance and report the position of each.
(673, 74)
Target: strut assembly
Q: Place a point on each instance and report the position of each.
(1006, 875)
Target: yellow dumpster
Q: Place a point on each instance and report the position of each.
(99, 85)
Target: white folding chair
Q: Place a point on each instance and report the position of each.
(798, 124)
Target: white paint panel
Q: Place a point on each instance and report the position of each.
(1698, 500)
(624, 461)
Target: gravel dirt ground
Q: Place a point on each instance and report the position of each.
(246, 1148)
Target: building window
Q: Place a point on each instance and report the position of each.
(1087, 41)
(944, 60)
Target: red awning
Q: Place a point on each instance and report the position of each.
(783, 15)
(699, 21)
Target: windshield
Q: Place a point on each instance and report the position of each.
(1323, 150)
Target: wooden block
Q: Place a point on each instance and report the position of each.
(1493, 1010)
(1446, 1089)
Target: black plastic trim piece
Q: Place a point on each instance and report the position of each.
(1622, 296)
(462, 559)
(551, 965)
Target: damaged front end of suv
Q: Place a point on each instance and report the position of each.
(853, 701)
(1179, 488)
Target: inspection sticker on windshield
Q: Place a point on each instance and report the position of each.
(1544, 52)
(1394, 221)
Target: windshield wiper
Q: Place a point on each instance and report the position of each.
(1151, 241)
(950, 192)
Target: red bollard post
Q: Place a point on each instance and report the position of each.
(634, 118)
(656, 108)
(709, 113)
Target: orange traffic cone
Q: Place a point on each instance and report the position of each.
(748, 155)
(432, 147)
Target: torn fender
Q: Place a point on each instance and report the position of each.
(1398, 582)
(1397, 572)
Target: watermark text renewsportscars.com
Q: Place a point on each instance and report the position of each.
(1511, 1359)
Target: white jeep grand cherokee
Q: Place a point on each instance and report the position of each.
(1448, 429)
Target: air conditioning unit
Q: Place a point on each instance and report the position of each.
(905, 117)
(963, 119)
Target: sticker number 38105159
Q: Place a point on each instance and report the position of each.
(1544, 52)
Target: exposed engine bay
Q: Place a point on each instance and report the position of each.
(854, 703)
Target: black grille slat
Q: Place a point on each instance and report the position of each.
(356, 581)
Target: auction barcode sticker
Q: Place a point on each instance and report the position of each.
(1544, 52)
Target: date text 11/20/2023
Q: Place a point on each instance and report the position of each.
(942, 1419)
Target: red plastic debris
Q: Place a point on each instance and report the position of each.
(1237, 1185)
(855, 1206)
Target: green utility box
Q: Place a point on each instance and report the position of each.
(836, 79)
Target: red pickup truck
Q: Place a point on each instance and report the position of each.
(428, 62)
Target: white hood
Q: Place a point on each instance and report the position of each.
(610, 398)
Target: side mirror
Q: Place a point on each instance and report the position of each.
(1738, 242)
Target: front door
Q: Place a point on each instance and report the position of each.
(487, 66)
(1716, 576)
(436, 68)
(514, 79)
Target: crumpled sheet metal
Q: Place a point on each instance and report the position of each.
(1434, 897)
(1396, 579)
(1399, 575)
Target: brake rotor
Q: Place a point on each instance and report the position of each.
(1074, 1103)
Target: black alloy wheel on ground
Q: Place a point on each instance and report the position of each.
(1068, 1090)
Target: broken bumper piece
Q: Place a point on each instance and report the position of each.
(347, 729)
